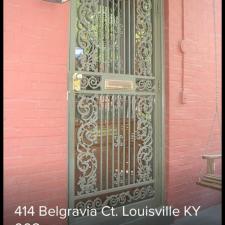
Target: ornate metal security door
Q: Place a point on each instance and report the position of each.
(114, 104)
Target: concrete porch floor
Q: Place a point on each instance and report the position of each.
(209, 216)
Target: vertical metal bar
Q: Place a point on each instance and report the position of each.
(113, 42)
(129, 112)
(103, 29)
(119, 63)
(124, 37)
(134, 153)
(107, 142)
(72, 112)
(113, 114)
(98, 39)
(129, 24)
(134, 30)
(108, 37)
(118, 136)
(105, 35)
(124, 138)
(72, 109)
(101, 109)
(98, 118)
(102, 38)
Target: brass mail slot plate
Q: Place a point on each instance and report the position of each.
(126, 85)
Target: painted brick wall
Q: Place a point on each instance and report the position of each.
(35, 107)
(192, 70)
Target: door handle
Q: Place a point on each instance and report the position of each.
(77, 81)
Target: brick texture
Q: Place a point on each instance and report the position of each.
(190, 66)
(35, 107)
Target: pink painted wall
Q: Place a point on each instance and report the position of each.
(35, 106)
(188, 125)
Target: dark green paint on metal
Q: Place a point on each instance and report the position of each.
(158, 70)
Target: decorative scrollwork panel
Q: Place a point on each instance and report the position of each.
(117, 199)
(144, 38)
(114, 36)
(144, 134)
(114, 143)
(145, 85)
(86, 138)
(91, 82)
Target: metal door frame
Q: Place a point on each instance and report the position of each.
(158, 68)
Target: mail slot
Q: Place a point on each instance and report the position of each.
(126, 85)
